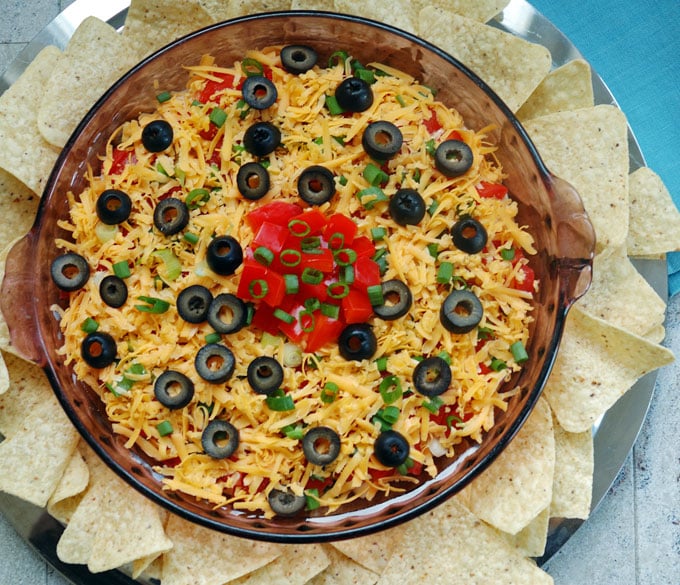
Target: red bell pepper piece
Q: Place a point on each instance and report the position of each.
(432, 124)
(366, 273)
(343, 225)
(312, 218)
(278, 212)
(363, 246)
(492, 190)
(356, 308)
(528, 283)
(226, 81)
(253, 272)
(120, 159)
(318, 259)
(326, 330)
(271, 236)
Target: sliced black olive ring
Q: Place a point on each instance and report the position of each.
(215, 363)
(461, 311)
(453, 158)
(398, 300)
(391, 448)
(407, 207)
(259, 92)
(354, 95)
(382, 140)
(265, 375)
(224, 255)
(220, 439)
(70, 271)
(193, 303)
(227, 313)
(298, 58)
(285, 503)
(357, 342)
(432, 376)
(113, 291)
(252, 181)
(316, 185)
(173, 389)
(469, 235)
(261, 138)
(157, 136)
(321, 445)
(171, 216)
(98, 349)
(113, 206)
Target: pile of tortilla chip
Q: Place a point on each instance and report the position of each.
(492, 530)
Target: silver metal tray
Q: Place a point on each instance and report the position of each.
(614, 434)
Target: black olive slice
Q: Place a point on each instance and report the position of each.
(453, 158)
(193, 303)
(316, 185)
(227, 313)
(461, 311)
(391, 448)
(173, 389)
(157, 136)
(398, 300)
(224, 255)
(407, 207)
(297, 59)
(98, 349)
(469, 235)
(259, 92)
(265, 375)
(357, 342)
(432, 376)
(321, 445)
(171, 216)
(261, 138)
(215, 363)
(220, 439)
(354, 95)
(252, 181)
(113, 206)
(113, 291)
(286, 503)
(70, 271)
(382, 140)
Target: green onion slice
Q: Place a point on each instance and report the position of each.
(338, 290)
(375, 295)
(218, 117)
(333, 106)
(89, 325)
(164, 428)
(263, 255)
(191, 237)
(292, 283)
(332, 311)
(375, 175)
(153, 305)
(251, 67)
(196, 197)
(258, 288)
(445, 273)
(390, 389)
(312, 276)
(213, 337)
(290, 257)
(284, 316)
(508, 254)
(280, 402)
(121, 269)
(519, 352)
(371, 196)
(164, 96)
(299, 228)
(329, 392)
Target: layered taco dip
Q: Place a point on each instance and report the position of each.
(296, 283)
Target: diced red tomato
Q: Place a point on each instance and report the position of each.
(454, 135)
(527, 284)
(342, 225)
(356, 308)
(378, 474)
(312, 218)
(250, 287)
(120, 159)
(326, 330)
(319, 259)
(432, 124)
(272, 236)
(366, 273)
(264, 319)
(226, 81)
(443, 417)
(319, 484)
(278, 212)
(209, 133)
(492, 190)
(363, 246)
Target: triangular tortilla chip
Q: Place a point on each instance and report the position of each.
(531, 540)
(589, 149)
(654, 218)
(372, 551)
(18, 207)
(296, 566)
(597, 363)
(73, 483)
(511, 66)
(398, 13)
(480, 10)
(343, 571)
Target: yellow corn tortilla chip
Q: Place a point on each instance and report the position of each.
(95, 57)
(152, 24)
(4, 376)
(309, 5)
(569, 87)
(372, 551)
(531, 540)
(398, 13)
(517, 486)
(654, 218)
(198, 555)
(296, 566)
(66, 497)
(450, 544)
(343, 571)
(597, 363)
(221, 10)
(617, 286)
(573, 481)
(148, 568)
(480, 10)
(589, 149)
(24, 152)
(18, 207)
(511, 66)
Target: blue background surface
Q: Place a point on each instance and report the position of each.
(635, 48)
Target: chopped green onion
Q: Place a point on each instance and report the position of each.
(196, 197)
(339, 139)
(484, 332)
(309, 243)
(370, 196)
(329, 392)
(191, 237)
(338, 290)
(164, 428)
(279, 401)
(299, 228)
(416, 175)
(312, 304)
(449, 421)
(252, 67)
(89, 325)
(333, 106)
(445, 273)
(292, 355)
(389, 414)
(405, 466)
(250, 313)
(263, 255)
(519, 352)
(338, 58)
(171, 264)
(312, 276)
(121, 269)
(445, 356)
(290, 257)
(381, 363)
(213, 337)
(293, 431)
(375, 175)
(318, 140)
(375, 295)
(401, 101)
(105, 233)
(336, 241)
(164, 96)
(497, 365)
(270, 340)
(390, 389)
(292, 283)
(345, 257)
(161, 170)
(430, 147)
(136, 369)
(332, 311)
(153, 305)
(433, 249)
(378, 233)
(348, 274)
(342, 180)
(433, 405)
(307, 320)
(258, 288)
(284, 316)
(508, 254)
(433, 207)
(218, 117)
(312, 497)
(365, 75)
(180, 175)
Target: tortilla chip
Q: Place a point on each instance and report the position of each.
(573, 481)
(589, 149)
(343, 571)
(235, 8)
(296, 566)
(569, 87)
(4, 376)
(397, 13)
(34, 457)
(25, 153)
(511, 66)
(309, 5)
(66, 497)
(148, 568)
(204, 557)
(372, 551)
(597, 363)
(450, 544)
(480, 10)
(654, 218)
(95, 57)
(617, 286)
(518, 485)
(531, 540)
(656, 334)
(18, 207)
(152, 24)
